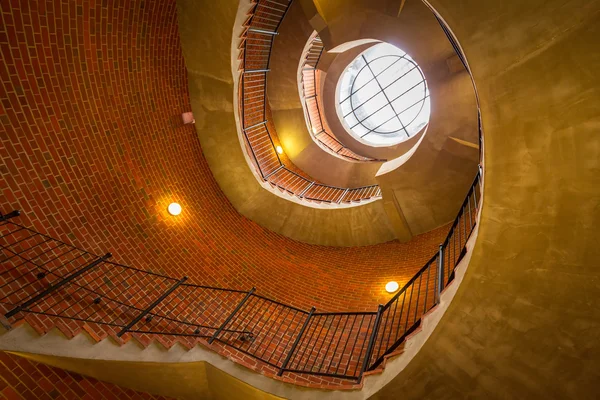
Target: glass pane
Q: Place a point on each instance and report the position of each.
(383, 64)
(421, 120)
(362, 78)
(384, 116)
(396, 72)
(379, 117)
(367, 93)
(360, 130)
(371, 107)
(393, 125)
(345, 107)
(351, 120)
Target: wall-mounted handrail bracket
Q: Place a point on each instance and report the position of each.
(12, 214)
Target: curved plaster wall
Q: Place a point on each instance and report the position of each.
(419, 194)
(212, 84)
(429, 185)
(525, 322)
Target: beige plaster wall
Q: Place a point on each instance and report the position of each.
(525, 323)
(211, 83)
(429, 186)
(194, 380)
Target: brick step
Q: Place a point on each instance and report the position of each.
(142, 342)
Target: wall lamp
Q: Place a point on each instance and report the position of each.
(174, 209)
(391, 287)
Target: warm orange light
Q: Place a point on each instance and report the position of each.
(279, 149)
(174, 209)
(392, 286)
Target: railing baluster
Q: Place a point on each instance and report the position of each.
(289, 355)
(418, 296)
(230, 317)
(338, 343)
(316, 340)
(346, 343)
(474, 189)
(464, 224)
(426, 290)
(371, 341)
(387, 343)
(329, 345)
(440, 273)
(287, 328)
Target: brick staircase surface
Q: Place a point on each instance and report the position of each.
(112, 295)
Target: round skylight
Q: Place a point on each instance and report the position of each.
(383, 96)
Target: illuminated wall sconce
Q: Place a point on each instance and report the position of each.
(391, 287)
(174, 209)
(314, 130)
(279, 149)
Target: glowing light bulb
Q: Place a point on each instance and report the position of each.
(174, 209)
(279, 149)
(391, 287)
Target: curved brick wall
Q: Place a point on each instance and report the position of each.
(21, 378)
(93, 150)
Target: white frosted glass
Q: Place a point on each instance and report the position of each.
(365, 94)
(345, 107)
(395, 72)
(384, 64)
(393, 125)
(386, 101)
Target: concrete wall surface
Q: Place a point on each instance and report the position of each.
(525, 323)
(212, 90)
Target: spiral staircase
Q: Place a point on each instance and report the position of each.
(523, 225)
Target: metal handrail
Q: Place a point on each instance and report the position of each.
(316, 50)
(53, 279)
(262, 26)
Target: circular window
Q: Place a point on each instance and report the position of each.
(383, 96)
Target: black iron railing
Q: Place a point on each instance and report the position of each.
(52, 280)
(309, 80)
(262, 27)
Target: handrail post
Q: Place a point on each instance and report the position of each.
(12, 214)
(289, 355)
(342, 197)
(58, 285)
(306, 190)
(230, 317)
(440, 273)
(371, 341)
(151, 307)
